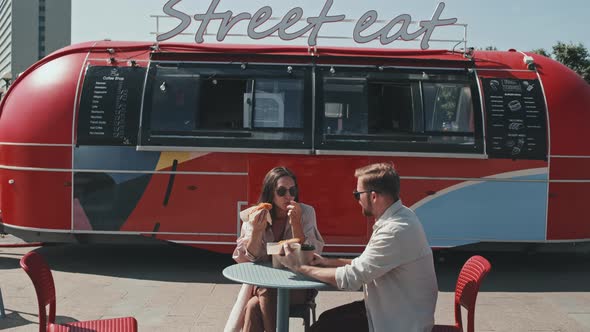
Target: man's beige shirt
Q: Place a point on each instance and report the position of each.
(396, 271)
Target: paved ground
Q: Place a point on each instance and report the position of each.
(173, 288)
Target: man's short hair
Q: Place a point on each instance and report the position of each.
(381, 177)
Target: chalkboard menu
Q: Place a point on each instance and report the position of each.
(109, 106)
(516, 124)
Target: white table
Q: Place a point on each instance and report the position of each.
(264, 275)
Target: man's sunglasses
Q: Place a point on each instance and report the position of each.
(357, 194)
(282, 191)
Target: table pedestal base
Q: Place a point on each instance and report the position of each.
(282, 310)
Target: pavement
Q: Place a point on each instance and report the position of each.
(175, 288)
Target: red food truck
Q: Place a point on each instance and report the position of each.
(107, 141)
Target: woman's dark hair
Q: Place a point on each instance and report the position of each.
(269, 185)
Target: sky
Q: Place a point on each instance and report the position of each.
(520, 24)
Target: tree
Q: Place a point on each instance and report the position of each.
(542, 51)
(576, 57)
(488, 48)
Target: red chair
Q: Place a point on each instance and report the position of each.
(39, 272)
(470, 277)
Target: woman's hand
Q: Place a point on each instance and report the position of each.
(259, 223)
(294, 212)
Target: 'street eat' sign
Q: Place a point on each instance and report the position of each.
(397, 28)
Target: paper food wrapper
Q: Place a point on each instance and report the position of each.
(248, 216)
(274, 249)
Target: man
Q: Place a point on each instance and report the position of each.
(396, 269)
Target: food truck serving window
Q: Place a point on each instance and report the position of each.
(398, 110)
(226, 105)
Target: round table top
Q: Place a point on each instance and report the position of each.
(264, 275)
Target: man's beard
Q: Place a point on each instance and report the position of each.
(368, 211)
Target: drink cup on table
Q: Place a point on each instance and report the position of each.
(274, 249)
(275, 262)
(296, 247)
(307, 252)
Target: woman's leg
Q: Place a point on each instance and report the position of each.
(268, 306)
(267, 300)
(253, 317)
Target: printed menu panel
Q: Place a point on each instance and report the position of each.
(516, 125)
(110, 105)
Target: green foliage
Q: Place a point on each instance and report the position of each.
(447, 101)
(542, 51)
(576, 57)
(488, 48)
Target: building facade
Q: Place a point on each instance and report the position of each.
(29, 30)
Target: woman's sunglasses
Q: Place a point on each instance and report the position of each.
(282, 191)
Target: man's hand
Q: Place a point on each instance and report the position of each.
(318, 261)
(290, 258)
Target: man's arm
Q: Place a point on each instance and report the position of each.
(336, 262)
(329, 262)
(324, 274)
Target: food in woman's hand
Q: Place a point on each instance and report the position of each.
(263, 206)
(256, 210)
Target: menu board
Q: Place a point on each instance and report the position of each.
(516, 119)
(110, 105)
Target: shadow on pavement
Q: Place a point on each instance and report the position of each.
(160, 262)
(520, 271)
(15, 319)
(65, 319)
(511, 271)
(9, 263)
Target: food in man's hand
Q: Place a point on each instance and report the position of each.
(256, 210)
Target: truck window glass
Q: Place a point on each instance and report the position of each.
(397, 111)
(198, 105)
(345, 107)
(448, 109)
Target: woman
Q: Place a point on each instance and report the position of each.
(255, 309)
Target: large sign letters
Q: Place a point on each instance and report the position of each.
(397, 28)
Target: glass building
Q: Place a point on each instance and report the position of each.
(29, 30)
